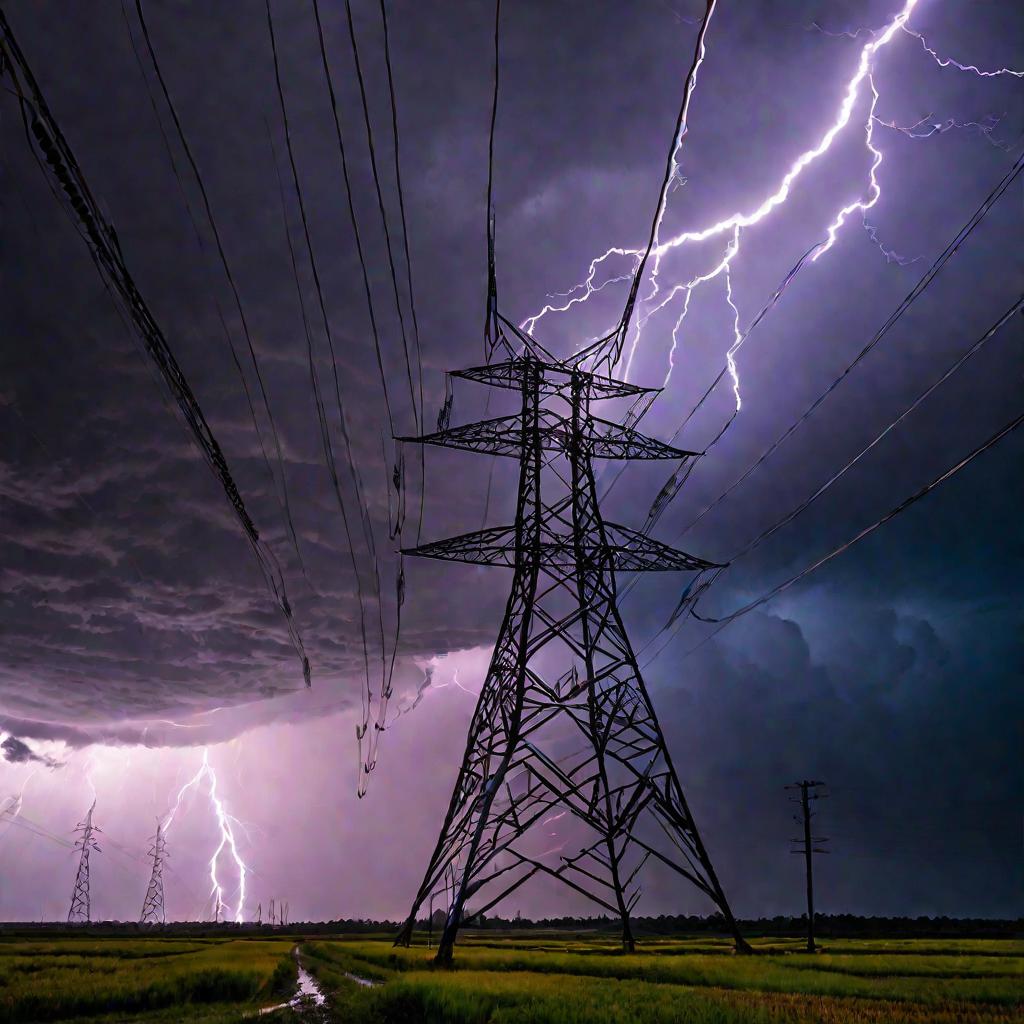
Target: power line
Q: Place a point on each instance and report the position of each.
(492, 328)
(725, 620)
(493, 334)
(408, 258)
(1015, 307)
(940, 262)
(380, 204)
(618, 336)
(325, 436)
(283, 494)
(399, 476)
(105, 249)
(329, 80)
(367, 763)
(891, 514)
(675, 482)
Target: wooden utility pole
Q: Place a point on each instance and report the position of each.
(808, 845)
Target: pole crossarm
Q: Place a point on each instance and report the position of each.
(563, 673)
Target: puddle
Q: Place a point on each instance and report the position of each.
(361, 981)
(307, 985)
(309, 988)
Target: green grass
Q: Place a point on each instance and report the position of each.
(544, 979)
(909, 977)
(482, 997)
(97, 978)
(571, 982)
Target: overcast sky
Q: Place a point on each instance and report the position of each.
(135, 627)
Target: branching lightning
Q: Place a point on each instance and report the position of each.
(861, 79)
(926, 127)
(948, 62)
(226, 826)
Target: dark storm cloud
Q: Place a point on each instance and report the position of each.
(130, 602)
(17, 751)
(919, 743)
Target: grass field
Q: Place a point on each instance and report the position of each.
(512, 980)
(141, 979)
(571, 982)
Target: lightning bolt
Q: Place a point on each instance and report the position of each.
(455, 682)
(947, 62)
(861, 79)
(225, 826)
(926, 128)
(12, 808)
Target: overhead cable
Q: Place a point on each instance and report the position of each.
(106, 251)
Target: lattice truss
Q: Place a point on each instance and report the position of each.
(563, 674)
(153, 910)
(80, 910)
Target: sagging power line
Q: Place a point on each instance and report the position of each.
(105, 249)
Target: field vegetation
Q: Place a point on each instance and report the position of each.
(540, 978)
(573, 981)
(147, 979)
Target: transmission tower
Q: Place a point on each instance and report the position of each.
(80, 911)
(153, 911)
(562, 664)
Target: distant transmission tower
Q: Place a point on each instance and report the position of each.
(153, 911)
(80, 911)
(562, 664)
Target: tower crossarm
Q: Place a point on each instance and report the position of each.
(630, 551)
(634, 551)
(557, 377)
(607, 440)
(602, 439)
(500, 436)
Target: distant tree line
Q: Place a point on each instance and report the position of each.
(826, 925)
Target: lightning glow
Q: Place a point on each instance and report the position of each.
(860, 81)
(225, 826)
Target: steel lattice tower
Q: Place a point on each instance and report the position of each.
(562, 663)
(153, 911)
(80, 911)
